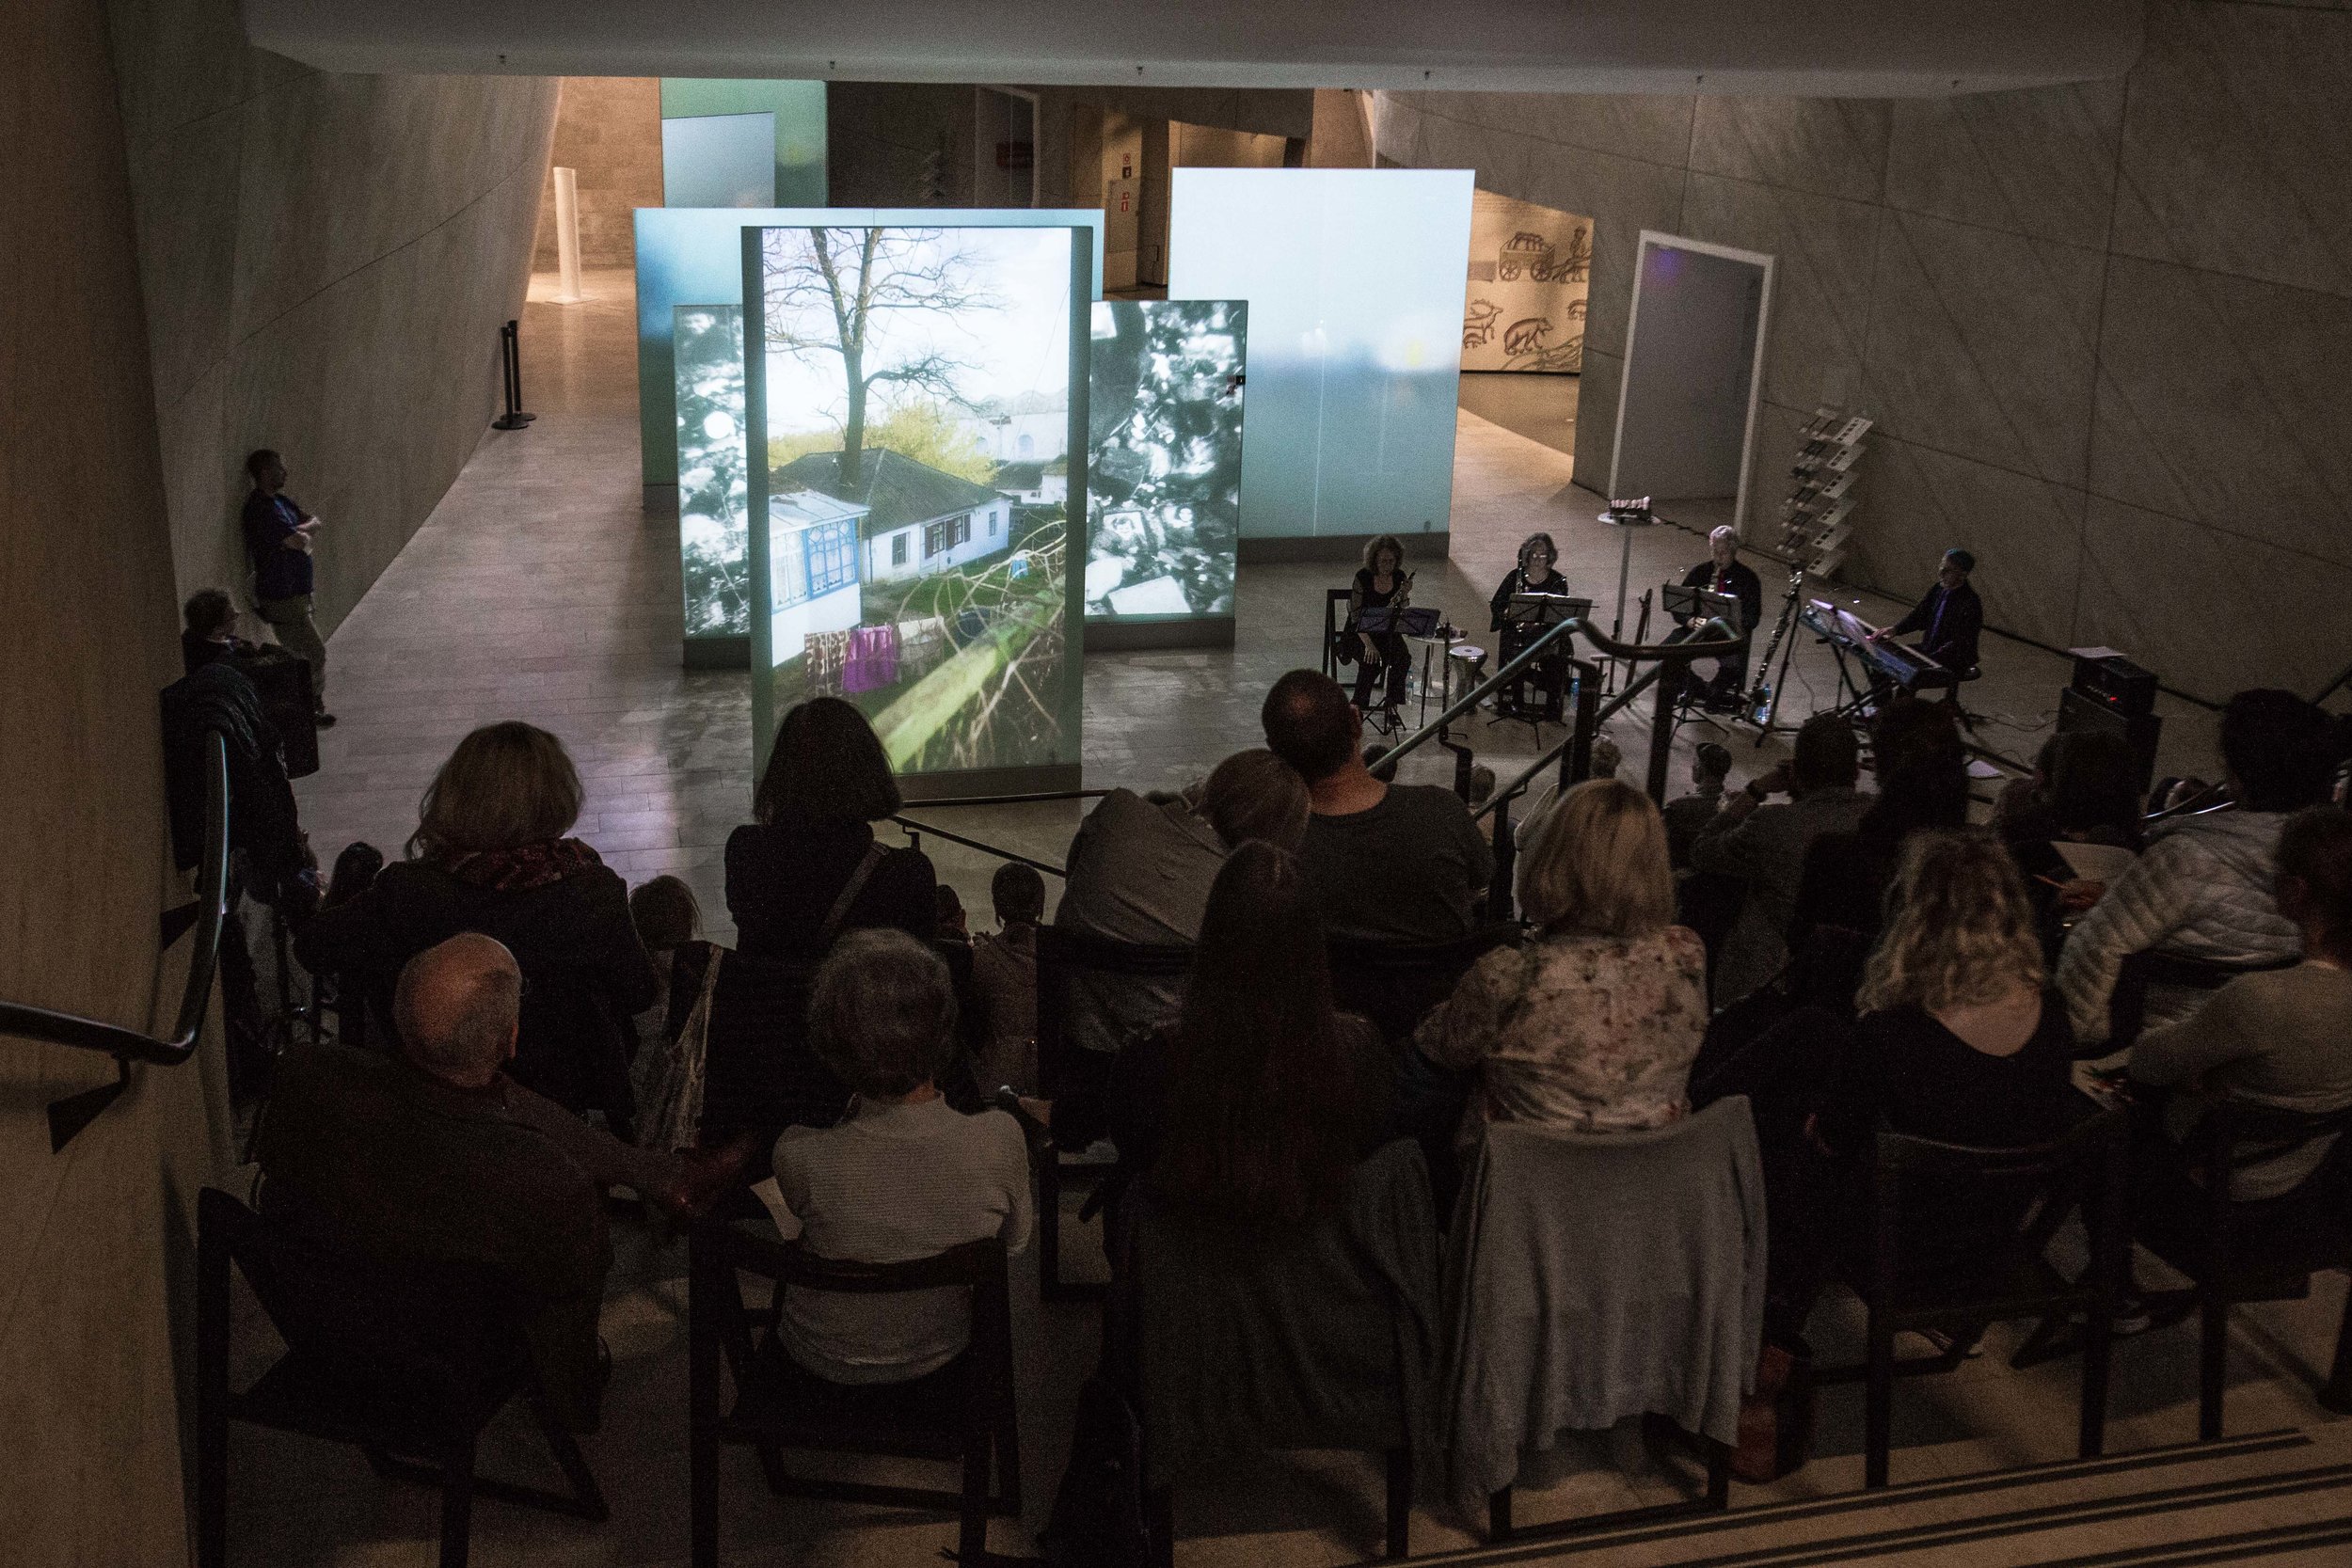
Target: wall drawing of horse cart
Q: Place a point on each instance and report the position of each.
(1530, 269)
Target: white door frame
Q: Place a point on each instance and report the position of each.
(1755, 371)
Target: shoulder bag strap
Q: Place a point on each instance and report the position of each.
(849, 890)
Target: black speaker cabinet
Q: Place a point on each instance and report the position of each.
(2080, 714)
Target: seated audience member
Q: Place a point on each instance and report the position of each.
(809, 867)
(2082, 790)
(954, 924)
(666, 917)
(2202, 891)
(2282, 1037)
(210, 630)
(1764, 846)
(435, 1156)
(1482, 785)
(1686, 815)
(1922, 774)
(906, 1176)
(1389, 862)
(1262, 1095)
(1592, 1025)
(1004, 979)
(1141, 873)
(1606, 759)
(1958, 1042)
(490, 854)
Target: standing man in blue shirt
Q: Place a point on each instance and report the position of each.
(279, 536)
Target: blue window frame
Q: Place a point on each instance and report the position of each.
(831, 550)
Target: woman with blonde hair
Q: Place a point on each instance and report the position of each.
(1592, 1025)
(493, 853)
(1381, 583)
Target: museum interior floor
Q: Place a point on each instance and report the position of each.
(545, 588)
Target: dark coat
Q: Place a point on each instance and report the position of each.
(783, 880)
(584, 971)
(218, 697)
(1743, 586)
(1952, 620)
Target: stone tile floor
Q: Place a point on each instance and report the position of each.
(545, 587)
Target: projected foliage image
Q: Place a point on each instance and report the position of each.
(714, 498)
(1163, 457)
(916, 384)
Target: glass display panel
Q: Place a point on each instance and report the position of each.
(1163, 458)
(713, 491)
(887, 364)
(799, 112)
(718, 161)
(1354, 283)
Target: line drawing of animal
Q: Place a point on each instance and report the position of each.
(1526, 334)
(1478, 324)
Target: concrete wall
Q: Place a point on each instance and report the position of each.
(326, 262)
(609, 128)
(2102, 326)
(96, 1242)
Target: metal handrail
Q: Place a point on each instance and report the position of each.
(914, 829)
(1609, 710)
(212, 911)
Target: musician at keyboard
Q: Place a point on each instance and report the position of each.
(1951, 617)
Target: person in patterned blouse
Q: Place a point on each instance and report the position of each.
(1592, 1026)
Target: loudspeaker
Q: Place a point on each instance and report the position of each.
(2088, 715)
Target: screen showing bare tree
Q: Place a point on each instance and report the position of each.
(911, 388)
(1164, 460)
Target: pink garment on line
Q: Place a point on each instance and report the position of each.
(873, 660)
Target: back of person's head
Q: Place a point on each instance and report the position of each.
(947, 906)
(2276, 745)
(1019, 895)
(2315, 874)
(1255, 794)
(1607, 758)
(1922, 769)
(1599, 865)
(882, 1014)
(2093, 782)
(1309, 724)
(1257, 1119)
(1482, 785)
(826, 765)
(258, 462)
(507, 785)
(455, 1005)
(1828, 755)
(209, 613)
(1712, 762)
(1958, 931)
(665, 913)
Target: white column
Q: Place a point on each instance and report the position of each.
(567, 234)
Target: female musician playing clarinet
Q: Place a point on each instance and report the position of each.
(1381, 583)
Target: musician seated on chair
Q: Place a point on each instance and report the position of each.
(1534, 574)
(1381, 583)
(1951, 617)
(1723, 571)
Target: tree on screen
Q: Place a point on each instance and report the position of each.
(830, 293)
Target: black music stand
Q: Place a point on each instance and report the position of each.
(1682, 604)
(1525, 618)
(1379, 619)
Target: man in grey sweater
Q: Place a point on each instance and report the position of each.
(1763, 845)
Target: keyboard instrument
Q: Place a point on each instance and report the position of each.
(1907, 668)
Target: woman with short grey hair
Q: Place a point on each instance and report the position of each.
(905, 1176)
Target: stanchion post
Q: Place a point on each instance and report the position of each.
(511, 363)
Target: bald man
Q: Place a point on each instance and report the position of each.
(435, 1156)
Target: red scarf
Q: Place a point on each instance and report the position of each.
(525, 865)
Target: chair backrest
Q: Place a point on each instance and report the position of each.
(1063, 956)
(761, 1074)
(2127, 1004)
(1396, 984)
(2235, 1135)
(443, 1333)
(2084, 1165)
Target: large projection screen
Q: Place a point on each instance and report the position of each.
(718, 161)
(1354, 283)
(885, 568)
(1164, 467)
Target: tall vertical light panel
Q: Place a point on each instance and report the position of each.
(1354, 283)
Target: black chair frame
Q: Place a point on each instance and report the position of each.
(721, 1328)
(1396, 984)
(1060, 955)
(1714, 1456)
(2232, 1136)
(444, 1451)
(2083, 1170)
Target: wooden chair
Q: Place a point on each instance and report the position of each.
(407, 1365)
(2083, 1169)
(964, 1412)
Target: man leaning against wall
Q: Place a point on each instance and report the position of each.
(280, 536)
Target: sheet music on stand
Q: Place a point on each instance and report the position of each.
(1682, 604)
(1544, 609)
(1411, 622)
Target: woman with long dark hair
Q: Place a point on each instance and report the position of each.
(1263, 1096)
(1381, 583)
